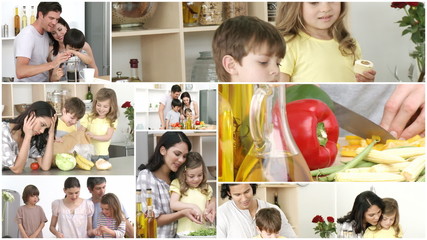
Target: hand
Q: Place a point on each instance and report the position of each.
(89, 134)
(59, 140)
(57, 74)
(61, 57)
(368, 76)
(192, 215)
(210, 217)
(52, 124)
(198, 212)
(29, 123)
(210, 209)
(404, 111)
(59, 235)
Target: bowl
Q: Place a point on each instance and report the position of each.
(212, 171)
(20, 108)
(131, 14)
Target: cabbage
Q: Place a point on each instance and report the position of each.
(65, 161)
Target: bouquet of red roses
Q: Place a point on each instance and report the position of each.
(325, 229)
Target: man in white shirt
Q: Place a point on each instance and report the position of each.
(236, 218)
(166, 104)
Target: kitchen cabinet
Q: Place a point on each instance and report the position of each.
(28, 93)
(287, 199)
(165, 48)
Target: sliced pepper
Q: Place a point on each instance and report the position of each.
(315, 131)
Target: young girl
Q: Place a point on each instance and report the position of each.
(111, 223)
(101, 123)
(72, 214)
(388, 226)
(319, 48)
(30, 135)
(30, 217)
(190, 190)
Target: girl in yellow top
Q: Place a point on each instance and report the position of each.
(190, 190)
(319, 48)
(388, 226)
(101, 123)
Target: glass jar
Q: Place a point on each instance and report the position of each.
(204, 68)
(234, 9)
(271, 8)
(190, 13)
(57, 101)
(210, 13)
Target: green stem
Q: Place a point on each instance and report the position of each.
(322, 135)
(336, 168)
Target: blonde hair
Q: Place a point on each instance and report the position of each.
(113, 203)
(194, 160)
(391, 207)
(290, 22)
(102, 95)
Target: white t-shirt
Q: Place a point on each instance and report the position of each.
(236, 223)
(31, 44)
(167, 101)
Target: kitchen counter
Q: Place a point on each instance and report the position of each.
(121, 166)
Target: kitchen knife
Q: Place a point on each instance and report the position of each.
(358, 124)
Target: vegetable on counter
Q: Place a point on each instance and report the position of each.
(65, 161)
(203, 232)
(315, 130)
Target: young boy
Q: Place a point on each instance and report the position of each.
(247, 49)
(268, 223)
(72, 111)
(173, 115)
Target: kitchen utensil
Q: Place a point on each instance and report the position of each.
(131, 14)
(358, 124)
(20, 108)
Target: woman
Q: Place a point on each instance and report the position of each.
(191, 104)
(30, 135)
(57, 37)
(367, 210)
(72, 214)
(169, 154)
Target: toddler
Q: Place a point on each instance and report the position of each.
(30, 217)
(111, 222)
(172, 117)
(388, 226)
(190, 190)
(73, 111)
(247, 49)
(101, 123)
(268, 223)
(319, 46)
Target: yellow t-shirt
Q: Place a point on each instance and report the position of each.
(62, 129)
(383, 233)
(194, 196)
(309, 59)
(98, 126)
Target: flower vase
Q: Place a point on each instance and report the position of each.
(129, 135)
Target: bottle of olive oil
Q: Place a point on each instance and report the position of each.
(24, 17)
(33, 17)
(140, 217)
(17, 22)
(150, 221)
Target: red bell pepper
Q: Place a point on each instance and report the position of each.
(315, 130)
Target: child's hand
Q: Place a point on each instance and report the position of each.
(210, 217)
(368, 76)
(89, 134)
(192, 215)
(198, 212)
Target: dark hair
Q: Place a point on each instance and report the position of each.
(46, 7)
(113, 203)
(71, 182)
(55, 44)
(29, 191)
(241, 35)
(194, 160)
(40, 109)
(74, 38)
(167, 140)
(176, 103)
(184, 95)
(269, 220)
(176, 88)
(225, 189)
(93, 181)
(361, 204)
(187, 110)
(75, 106)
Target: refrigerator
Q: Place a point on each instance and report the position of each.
(8, 224)
(208, 106)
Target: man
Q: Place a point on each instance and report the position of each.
(31, 46)
(236, 217)
(96, 186)
(166, 104)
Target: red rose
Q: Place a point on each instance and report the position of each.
(330, 219)
(413, 4)
(398, 4)
(317, 219)
(126, 105)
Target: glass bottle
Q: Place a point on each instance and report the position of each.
(225, 132)
(276, 199)
(273, 155)
(204, 68)
(150, 219)
(134, 71)
(210, 13)
(33, 17)
(140, 217)
(89, 95)
(190, 13)
(24, 17)
(17, 22)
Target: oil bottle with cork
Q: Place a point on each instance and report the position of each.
(134, 71)
(150, 219)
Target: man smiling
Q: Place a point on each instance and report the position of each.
(31, 46)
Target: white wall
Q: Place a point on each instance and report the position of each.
(51, 188)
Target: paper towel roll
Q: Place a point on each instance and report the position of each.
(361, 66)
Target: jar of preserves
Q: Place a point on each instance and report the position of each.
(210, 13)
(235, 9)
(190, 13)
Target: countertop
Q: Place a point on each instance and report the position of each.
(121, 166)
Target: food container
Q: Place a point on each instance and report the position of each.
(235, 9)
(131, 14)
(211, 13)
(190, 13)
(20, 108)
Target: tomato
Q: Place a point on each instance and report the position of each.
(197, 123)
(34, 166)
